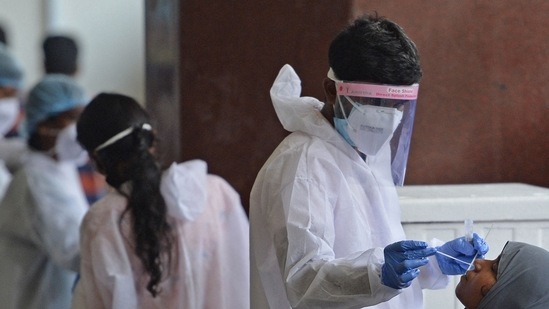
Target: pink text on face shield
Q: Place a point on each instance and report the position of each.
(378, 91)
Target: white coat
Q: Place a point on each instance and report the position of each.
(320, 217)
(13, 153)
(210, 266)
(40, 218)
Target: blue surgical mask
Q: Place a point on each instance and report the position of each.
(341, 127)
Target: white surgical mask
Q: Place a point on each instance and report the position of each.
(9, 111)
(370, 127)
(68, 149)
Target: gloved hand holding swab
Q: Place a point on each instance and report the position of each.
(456, 256)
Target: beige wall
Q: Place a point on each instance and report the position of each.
(110, 36)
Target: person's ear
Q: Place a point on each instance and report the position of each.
(329, 90)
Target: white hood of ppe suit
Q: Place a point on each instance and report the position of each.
(184, 189)
(295, 112)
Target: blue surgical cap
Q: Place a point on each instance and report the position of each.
(11, 74)
(53, 95)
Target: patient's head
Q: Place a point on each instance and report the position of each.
(518, 278)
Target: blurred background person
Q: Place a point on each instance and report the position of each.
(41, 212)
(61, 57)
(12, 151)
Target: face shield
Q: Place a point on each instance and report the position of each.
(373, 116)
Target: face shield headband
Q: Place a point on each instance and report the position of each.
(395, 104)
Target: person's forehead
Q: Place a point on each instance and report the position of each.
(69, 115)
(7, 91)
(73, 112)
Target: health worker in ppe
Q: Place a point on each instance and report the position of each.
(161, 238)
(12, 150)
(517, 279)
(44, 205)
(324, 212)
(61, 56)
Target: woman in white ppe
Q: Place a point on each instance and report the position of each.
(160, 239)
(324, 213)
(44, 205)
(13, 150)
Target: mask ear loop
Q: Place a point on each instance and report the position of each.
(343, 110)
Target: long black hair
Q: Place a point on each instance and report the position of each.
(130, 166)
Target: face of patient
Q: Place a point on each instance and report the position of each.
(477, 282)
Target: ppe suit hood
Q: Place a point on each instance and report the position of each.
(184, 189)
(294, 111)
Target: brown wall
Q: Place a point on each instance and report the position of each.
(231, 51)
(483, 106)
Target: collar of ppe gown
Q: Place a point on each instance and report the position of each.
(184, 189)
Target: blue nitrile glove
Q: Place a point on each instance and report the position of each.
(402, 260)
(463, 250)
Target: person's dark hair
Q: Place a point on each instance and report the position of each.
(34, 142)
(60, 55)
(3, 36)
(376, 50)
(130, 161)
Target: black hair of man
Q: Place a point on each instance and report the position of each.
(376, 50)
(60, 55)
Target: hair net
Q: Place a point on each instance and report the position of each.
(522, 279)
(54, 94)
(11, 74)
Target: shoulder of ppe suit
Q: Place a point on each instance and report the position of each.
(104, 213)
(303, 153)
(218, 187)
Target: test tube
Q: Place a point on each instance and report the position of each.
(469, 229)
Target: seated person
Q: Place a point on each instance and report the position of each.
(518, 278)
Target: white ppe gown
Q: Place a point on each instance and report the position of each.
(210, 261)
(13, 153)
(40, 218)
(320, 217)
